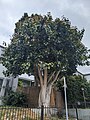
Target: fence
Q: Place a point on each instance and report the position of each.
(80, 110)
(19, 113)
(80, 105)
(43, 113)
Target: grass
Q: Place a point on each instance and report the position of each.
(54, 118)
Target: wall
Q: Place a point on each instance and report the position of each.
(1, 66)
(87, 76)
(56, 99)
(59, 100)
(83, 114)
(32, 95)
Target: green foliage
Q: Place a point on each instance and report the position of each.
(17, 99)
(20, 83)
(41, 41)
(74, 89)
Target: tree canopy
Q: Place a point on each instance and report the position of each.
(75, 83)
(45, 42)
(46, 48)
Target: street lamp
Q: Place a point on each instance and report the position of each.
(84, 96)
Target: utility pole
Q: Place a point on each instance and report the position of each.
(65, 86)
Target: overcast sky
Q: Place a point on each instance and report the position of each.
(78, 12)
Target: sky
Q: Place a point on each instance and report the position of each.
(77, 11)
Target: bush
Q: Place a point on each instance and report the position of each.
(17, 99)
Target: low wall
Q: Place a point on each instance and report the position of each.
(83, 114)
(32, 94)
(56, 99)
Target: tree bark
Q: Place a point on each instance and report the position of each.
(46, 86)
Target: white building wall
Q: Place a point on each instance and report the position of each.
(4, 79)
(2, 68)
(1, 50)
(87, 77)
(14, 83)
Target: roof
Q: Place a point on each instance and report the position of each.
(79, 72)
(26, 77)
(2, 46)
(86, 74)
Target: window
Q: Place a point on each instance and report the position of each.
(1, 81)
(32, 83)
(7, 90)
(23, 83)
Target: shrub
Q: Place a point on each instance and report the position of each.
(17, 99)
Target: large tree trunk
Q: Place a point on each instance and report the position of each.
(46, 84)
(44, 96)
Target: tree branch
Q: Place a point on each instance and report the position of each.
(36, 75)
(51, 77)
(40, 76)
(56, 77)
(45, 76)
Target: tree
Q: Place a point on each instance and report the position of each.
(75, 83)
(46, 48)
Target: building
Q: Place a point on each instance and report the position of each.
(86, 76)
(9, 83)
